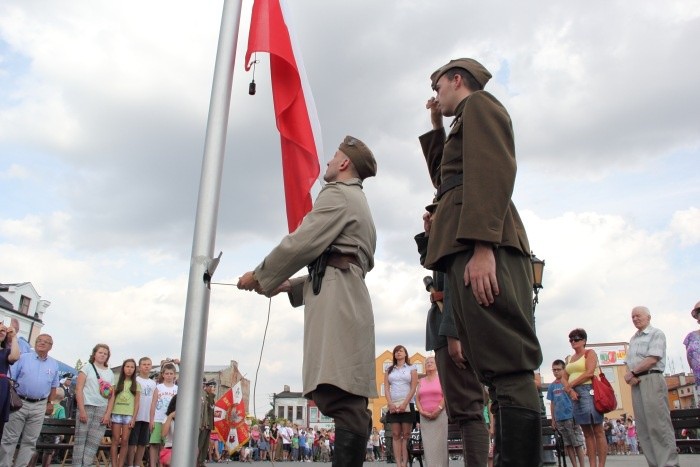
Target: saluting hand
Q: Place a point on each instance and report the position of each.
(435, 114)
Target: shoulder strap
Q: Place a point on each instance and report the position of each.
(97, 375)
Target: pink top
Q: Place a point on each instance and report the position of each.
(429, 394)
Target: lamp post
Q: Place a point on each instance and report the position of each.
(537, 272)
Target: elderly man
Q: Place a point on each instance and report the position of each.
(337, 240)
(478, 240)
(37, 375)
(646, 361)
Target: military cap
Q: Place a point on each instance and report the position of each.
(210, 383)
(360, 155)
(476, 69)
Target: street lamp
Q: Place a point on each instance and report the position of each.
(537, 272)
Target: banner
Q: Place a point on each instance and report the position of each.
(229, 419)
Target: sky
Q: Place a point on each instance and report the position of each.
(103, 112)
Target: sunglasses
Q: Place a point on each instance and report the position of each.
(575, 339)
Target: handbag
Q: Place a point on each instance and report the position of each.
(603, 394)
(15, 401)
(105, 386)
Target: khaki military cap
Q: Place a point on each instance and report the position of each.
(476, 69)
(360, 156)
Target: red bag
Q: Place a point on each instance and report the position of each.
(603, 394)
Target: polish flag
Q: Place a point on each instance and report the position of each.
(295, 112)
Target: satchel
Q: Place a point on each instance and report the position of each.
(15, 401)
(603, 394)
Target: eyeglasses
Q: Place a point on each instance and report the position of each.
(575, 339)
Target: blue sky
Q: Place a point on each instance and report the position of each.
(102, 121)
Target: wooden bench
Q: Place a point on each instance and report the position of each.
(65, 430)
(689, 420)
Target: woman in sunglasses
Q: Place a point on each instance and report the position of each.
(579, 370)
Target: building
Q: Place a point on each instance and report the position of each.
(682, 392)
(383, 361)
(22, 303)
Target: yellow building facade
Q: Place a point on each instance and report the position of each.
(383, 361)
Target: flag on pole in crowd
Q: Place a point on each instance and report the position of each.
(229, 419)
(295, 111)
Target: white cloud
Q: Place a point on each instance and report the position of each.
(16, 172)
(686, 224)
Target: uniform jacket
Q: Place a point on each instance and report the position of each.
(480, 147)
(338, 322)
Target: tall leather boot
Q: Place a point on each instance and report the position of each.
(518, 438)
(475, 443)
(349, 449)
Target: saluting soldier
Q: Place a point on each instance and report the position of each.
(337, 239)
(479, 241)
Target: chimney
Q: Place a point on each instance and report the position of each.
(286, 388)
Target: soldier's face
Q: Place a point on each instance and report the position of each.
(333, 166)
(446, 96)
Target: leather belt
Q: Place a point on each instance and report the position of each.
(29, 399)
(649, 372)
(342, 261)
(448, 184)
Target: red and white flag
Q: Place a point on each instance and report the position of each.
(295, 111)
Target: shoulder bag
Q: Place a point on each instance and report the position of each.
(15, 401)
(105, 386)
(603, 393)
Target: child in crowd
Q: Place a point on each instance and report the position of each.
(168, 432)
(143, 423)
(121, 411)
(162, 396)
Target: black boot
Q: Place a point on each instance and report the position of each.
(475, 443)
(518, 438)
(349, 449)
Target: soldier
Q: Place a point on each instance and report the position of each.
(479, 241)
(337, 239)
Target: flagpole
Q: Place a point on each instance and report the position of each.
(202, 261)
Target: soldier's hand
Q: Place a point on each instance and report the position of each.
(285, 286)
(427, 222)
(454, 348)
(480, 273)
(435, 113)
(248, 281)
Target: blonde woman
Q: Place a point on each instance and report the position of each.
(430, 403)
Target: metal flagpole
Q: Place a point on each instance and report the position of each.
(202, 262)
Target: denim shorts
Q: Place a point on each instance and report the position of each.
(121, 419)
(584, 408)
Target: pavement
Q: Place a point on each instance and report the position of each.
(686, 460)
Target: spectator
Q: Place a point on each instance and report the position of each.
(143, 423)
(621, 437)
(37, 376)
(563, 416)
(286, 434)
(646, 361)
(430, 403)
(121, 411)
(376, 443)
(579, 370)
(206, 422)
(264, 445)
(692, 346)
(168, 432)
(255, 441)
(68, 401)
(92, 394)
(9, 353)
(608, 428)
(632, 437)
(400, 381)
(162, 396)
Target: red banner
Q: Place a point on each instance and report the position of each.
(229, 419)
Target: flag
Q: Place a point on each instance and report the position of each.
(295, 111)
(229, 419)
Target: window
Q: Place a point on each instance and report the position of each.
(280, 412)
(290, 413)
(386, 365)
(313, 414)
(381, 390)
(300, 413)
(419, 367)
(24, 305)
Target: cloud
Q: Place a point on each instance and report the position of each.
(686, 224)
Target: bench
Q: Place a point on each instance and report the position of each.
(689, 420)
(454, 443)
(65, 429)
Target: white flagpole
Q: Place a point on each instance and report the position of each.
(197, 306)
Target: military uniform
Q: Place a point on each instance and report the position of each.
(338, 368)
(474, 167)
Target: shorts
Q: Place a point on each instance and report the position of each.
(157, 434)
(570, 432)
(584, 408)
(402, 417)
(121, 419)
(140, 434)
(287, 447)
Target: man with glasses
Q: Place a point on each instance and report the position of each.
(646, 362)
(37, 376)
(563, 416)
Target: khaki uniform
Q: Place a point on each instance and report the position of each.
(499, 340)
(338, 322)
